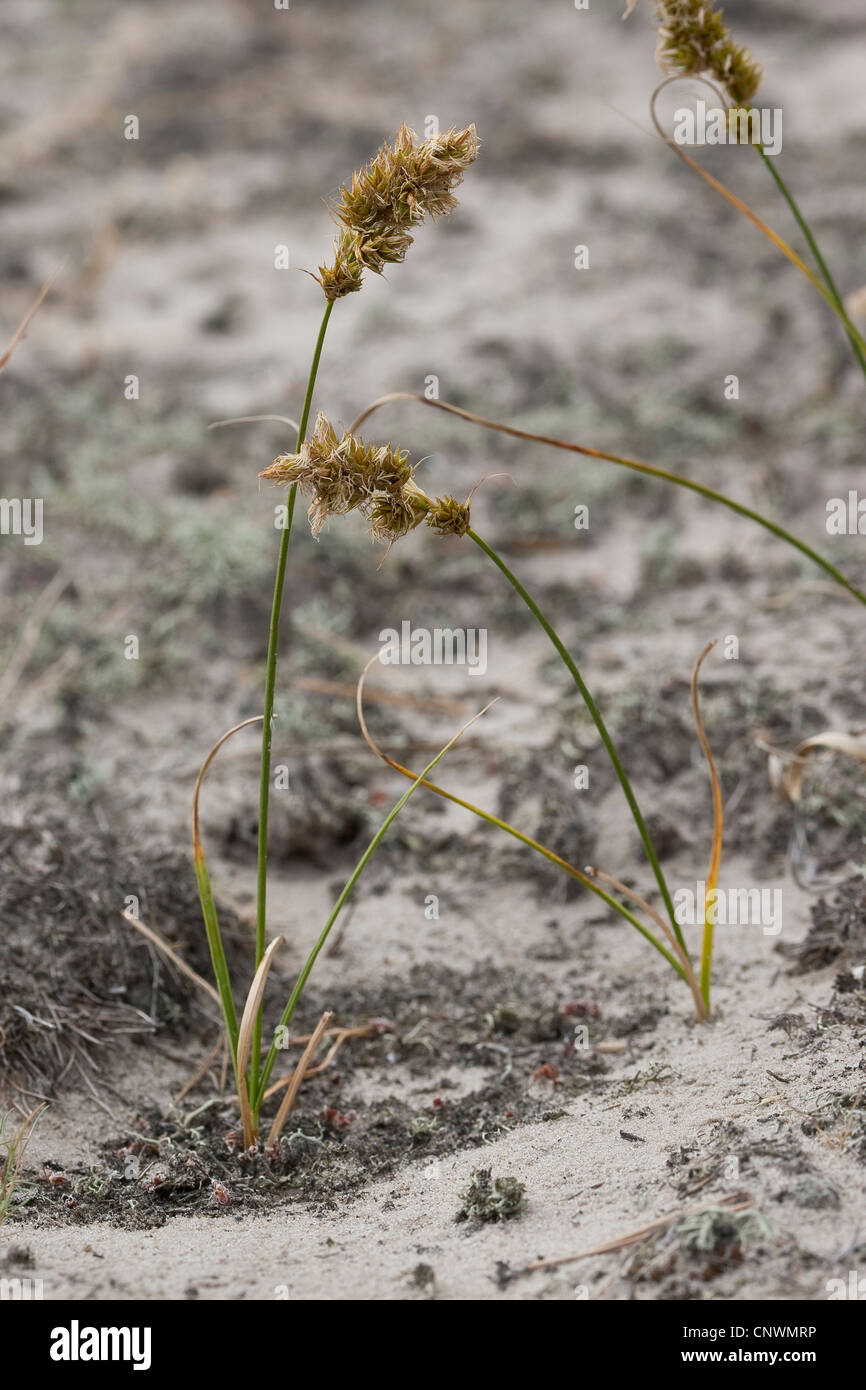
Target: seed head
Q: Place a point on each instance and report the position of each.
(402, 184)
(395, 514)
(401, 511)
(694, 39)
(347, 272)
(340, 474)
(448, 517)
(407, 180)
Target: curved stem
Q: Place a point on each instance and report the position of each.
(270, 687)
(599, 724)
(587, 880)
(291, 1005)
(649, 470)
(833, 300)
(208, 905)
(813, 246)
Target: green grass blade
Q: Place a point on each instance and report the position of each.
(359, 868)
(600, 725)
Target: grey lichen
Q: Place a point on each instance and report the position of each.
(719, 1231)
(491, 1199)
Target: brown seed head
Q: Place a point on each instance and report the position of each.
(340, 473)
(407, 180)
(346, 274)
(395, 514)
(401, 185)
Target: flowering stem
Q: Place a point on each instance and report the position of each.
(267, 726)
(599, 724)
(813, 247)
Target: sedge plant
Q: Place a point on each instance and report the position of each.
(710, 494)
(339, 472)
(376, 215)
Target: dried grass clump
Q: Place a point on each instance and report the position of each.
(73, 978)
(838, 931)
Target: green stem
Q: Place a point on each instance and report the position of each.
(599, 724)
(267, 726)
(707, 962)
(217, 954)
(583, 878)
(359, 868)
(814, 248)
(648, 470)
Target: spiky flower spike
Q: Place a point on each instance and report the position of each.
(342, 474)
(448, 517)
(400, 511)
(694, 39)
(395, 514)
(404, 183)
(347, 272)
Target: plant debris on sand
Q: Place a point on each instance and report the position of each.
(838, 931)
(517, 1031)
(74, 974)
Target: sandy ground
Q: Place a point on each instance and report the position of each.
(249, 120)
(586, 1185)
